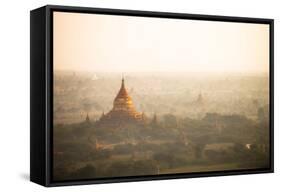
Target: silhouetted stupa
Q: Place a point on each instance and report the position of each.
(200, 99)
(123, 111)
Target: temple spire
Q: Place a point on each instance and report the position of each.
(123, 84)
(123, 81)
(87, 118)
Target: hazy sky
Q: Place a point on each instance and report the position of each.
(105, 43)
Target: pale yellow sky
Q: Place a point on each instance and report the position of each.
(107, 43)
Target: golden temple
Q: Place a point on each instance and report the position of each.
(123, 111)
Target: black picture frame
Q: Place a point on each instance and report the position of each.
(41, 93)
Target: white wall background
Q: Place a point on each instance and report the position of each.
(14, 94)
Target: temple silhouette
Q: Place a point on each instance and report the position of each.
(123, 111)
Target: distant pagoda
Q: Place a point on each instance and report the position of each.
(200, 100)
(123, 111)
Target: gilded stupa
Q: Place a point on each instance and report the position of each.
(123, 111)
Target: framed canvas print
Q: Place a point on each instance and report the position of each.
(122, 95)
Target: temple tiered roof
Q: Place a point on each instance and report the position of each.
(123, 110)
